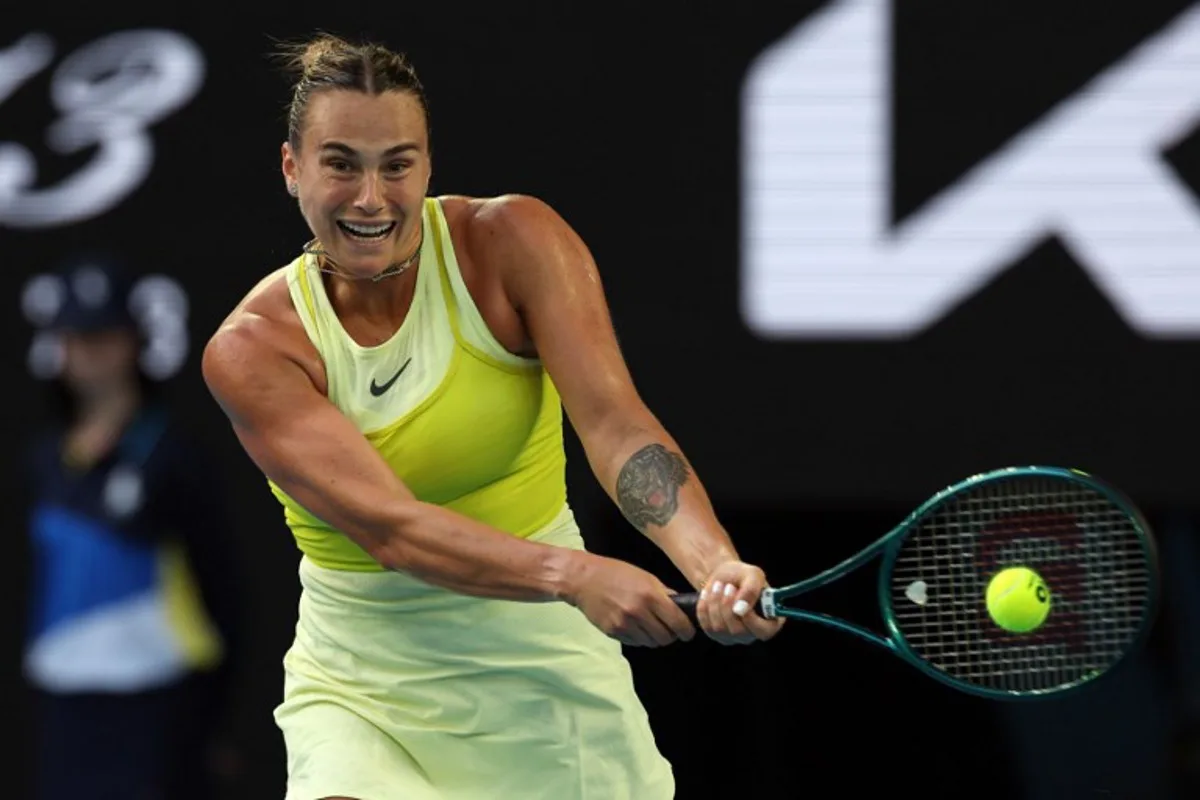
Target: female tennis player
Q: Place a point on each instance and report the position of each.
(401, 385)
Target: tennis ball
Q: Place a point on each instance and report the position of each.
(1018, 600)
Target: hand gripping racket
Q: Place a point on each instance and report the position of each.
(1089, 544)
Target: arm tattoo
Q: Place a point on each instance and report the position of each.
(648, 486)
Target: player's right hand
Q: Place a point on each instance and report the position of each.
(627, 603)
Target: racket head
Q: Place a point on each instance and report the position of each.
(1088, 542)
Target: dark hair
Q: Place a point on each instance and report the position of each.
(330, 62)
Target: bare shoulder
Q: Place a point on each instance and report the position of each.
(517, 237)
(263, 329)
(503, 219)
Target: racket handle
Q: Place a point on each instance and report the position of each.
(687, 603)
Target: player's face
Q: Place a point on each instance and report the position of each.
(362, 172)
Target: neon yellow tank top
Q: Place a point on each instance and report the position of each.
(463, 423)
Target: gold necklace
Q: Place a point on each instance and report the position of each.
(312, 248)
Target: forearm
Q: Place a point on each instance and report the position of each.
(646, 474)
(325, 466)
(455, 552)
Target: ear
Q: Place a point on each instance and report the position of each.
(290, 166)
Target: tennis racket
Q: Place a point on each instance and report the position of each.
(1090, 545)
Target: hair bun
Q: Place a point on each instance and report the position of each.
(302, 58)
(318, 48)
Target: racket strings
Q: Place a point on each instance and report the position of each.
(1087, 550)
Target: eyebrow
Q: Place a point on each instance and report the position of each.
(345, 149)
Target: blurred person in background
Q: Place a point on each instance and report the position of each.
(133, 616)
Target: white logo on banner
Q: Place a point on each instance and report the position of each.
(108, 93)
(820, 257)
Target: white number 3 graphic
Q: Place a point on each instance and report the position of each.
(108, 93)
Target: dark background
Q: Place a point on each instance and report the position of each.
(626, 119)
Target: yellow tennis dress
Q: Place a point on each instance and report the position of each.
(399, 690)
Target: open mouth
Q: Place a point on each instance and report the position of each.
(366, 233)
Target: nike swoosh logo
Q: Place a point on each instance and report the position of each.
(377, 389)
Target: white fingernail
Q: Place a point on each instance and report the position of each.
(729, 589)
(704, 593)
(741, 607)
(716, 587)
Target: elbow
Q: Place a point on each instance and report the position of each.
(609, 447)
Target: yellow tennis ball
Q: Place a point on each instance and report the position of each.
(1018, 600)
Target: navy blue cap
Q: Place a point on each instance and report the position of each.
(96, 296)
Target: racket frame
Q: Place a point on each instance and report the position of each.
(887, 547)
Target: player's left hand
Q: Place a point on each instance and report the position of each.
(728, 606)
